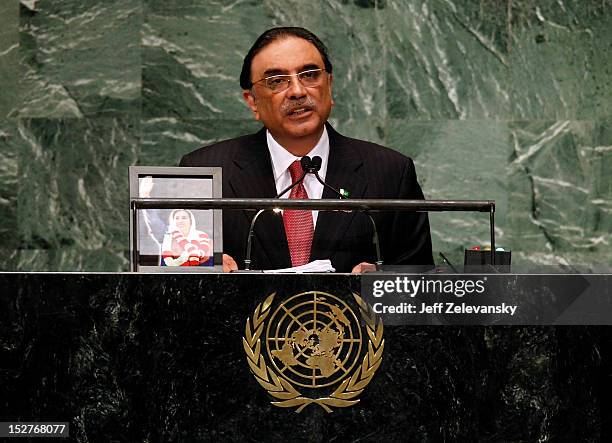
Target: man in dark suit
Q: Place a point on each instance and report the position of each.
(287, 82)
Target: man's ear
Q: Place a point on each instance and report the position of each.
(251, 101)
(331, 80)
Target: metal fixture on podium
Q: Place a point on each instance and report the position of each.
(366, 205)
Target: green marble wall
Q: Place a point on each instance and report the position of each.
(506, 100)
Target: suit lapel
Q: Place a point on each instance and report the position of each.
(254, 178)
(343, 171)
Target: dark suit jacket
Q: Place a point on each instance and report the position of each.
(365, 169)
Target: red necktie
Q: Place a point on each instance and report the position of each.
(298, 223)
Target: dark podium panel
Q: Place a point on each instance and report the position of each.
(126, 357)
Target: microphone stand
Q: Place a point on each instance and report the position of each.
(247, 256)
(306, 166)
(310, 167)
(375, 239)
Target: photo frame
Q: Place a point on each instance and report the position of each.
(177, 239)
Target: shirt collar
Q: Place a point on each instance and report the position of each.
(282, 159)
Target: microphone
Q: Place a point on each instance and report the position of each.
(306, 163)
(307, 166)
(315, 166)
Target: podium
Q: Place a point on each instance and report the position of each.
(160, 357)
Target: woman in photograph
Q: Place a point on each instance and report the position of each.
(183, 244)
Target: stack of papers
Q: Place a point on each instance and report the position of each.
(313, 266)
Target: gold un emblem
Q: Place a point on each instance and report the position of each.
(313, 350)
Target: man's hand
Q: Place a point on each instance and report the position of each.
(229, 264)
(363, 267)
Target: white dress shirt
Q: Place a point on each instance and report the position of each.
(282, 159)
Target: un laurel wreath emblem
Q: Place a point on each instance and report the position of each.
(310, 349)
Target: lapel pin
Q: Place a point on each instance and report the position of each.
(344, 193)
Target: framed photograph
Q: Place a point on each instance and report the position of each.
(177, 239)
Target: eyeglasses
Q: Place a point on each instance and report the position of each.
(280, 83)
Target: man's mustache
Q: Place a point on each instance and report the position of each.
(290, 106)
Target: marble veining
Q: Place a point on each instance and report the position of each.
(9, 47)
(80, 58)
(493, 99)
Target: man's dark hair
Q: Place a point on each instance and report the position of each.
(272, 35)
